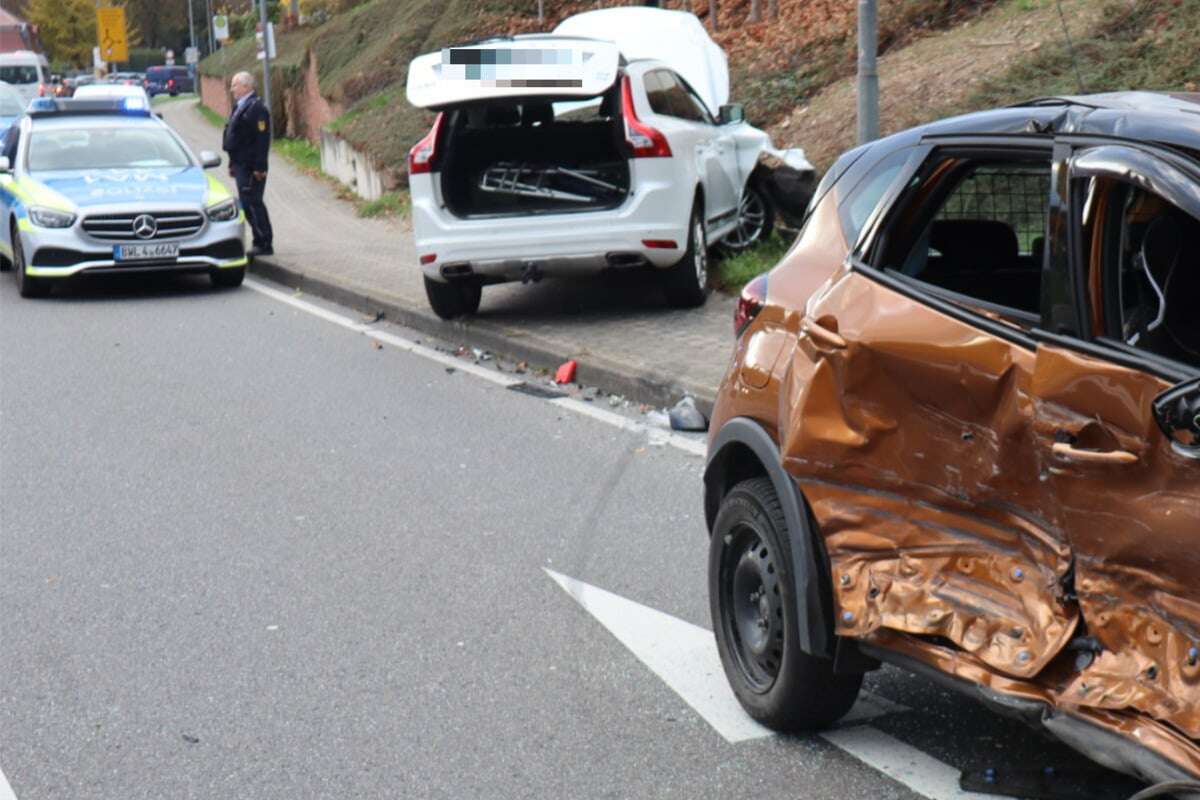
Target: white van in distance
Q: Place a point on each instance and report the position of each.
(26, 71)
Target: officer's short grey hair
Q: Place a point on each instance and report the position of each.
(244, 78)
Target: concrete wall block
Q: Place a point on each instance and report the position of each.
(350, 167)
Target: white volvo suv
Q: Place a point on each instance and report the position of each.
(567, 153)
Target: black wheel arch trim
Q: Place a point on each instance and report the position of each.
(815, 621)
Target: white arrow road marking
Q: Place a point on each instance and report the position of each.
(685, 657)
(682, 654)
(904, 764)
(6, 792)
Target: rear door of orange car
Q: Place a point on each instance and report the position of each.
(909, 414)
(1117, 407)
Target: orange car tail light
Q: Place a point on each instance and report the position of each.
(750, 302)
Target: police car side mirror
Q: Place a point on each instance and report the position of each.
(209, 159)
(4, 165)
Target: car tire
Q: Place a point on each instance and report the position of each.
(452, 299)
(756, 618)
(27, 285)
(227, 278)
(687, 281)
(756, 220)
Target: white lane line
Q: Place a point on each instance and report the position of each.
(6, 792)
(687, 444)
(904, 764)
(685, 657)
(303, 305)
(696, 447)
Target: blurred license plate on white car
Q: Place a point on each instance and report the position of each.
(146, 252)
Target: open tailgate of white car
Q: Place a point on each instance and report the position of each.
(522, 66)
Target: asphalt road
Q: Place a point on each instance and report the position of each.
(245, 553)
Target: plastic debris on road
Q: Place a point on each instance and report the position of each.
(566, 372)
(684, 416)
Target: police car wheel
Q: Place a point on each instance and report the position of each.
(452, 299)
(228, 278)
(27, 285)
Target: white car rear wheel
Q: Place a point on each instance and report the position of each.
(687, 281)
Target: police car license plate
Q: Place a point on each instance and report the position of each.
(146, 252)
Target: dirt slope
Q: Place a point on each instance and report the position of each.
(936, 75)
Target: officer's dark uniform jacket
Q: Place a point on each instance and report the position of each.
(248, 136)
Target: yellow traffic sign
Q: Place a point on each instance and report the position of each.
(110, 30)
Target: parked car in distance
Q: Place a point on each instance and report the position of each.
(961, 432)
(12, 106)
(534, 168)
(168, 80)
(26, 71)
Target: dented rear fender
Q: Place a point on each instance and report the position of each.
(741, 447)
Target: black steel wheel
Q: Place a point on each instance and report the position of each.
(755, 222)
(755, 616)
(753, 620)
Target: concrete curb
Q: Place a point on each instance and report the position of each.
(642, 386)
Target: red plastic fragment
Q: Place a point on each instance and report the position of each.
(566, 372)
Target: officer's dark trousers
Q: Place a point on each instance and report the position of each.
(250, 193)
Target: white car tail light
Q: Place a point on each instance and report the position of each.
(646, 142)
(420, 158)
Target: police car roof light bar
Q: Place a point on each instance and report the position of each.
(58, 107)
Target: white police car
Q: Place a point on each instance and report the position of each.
(104, 186)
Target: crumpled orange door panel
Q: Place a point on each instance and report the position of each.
(1134, 526)
(911, 434)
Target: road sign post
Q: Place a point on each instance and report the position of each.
(111, 35)
(266, 41)
(868, 71)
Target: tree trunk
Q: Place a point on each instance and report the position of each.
(773, 10)
(755, 11)
(541, 11)
(712, 15)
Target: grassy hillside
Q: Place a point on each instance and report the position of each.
(363, 54)
(778, 69)
(1139, 44)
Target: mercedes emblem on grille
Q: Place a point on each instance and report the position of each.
(145, 226)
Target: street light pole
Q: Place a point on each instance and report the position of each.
(212, 44)
(192, 35)
(266, 34)
(191, 24)
(868, 72)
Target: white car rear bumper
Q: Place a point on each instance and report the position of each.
(506, 248)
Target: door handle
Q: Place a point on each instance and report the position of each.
(1069, 452)
(819, 333)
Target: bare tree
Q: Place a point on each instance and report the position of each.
(712, 15)
(541, 11)
(755, 11)
(772, 10)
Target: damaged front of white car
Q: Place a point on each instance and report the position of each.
(608, 144)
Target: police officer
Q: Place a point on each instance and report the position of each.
(248, 140)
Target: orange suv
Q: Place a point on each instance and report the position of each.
(960, 432)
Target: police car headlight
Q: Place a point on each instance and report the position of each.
(49, 218)
(223, 211)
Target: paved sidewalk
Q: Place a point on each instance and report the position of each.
(618, 328)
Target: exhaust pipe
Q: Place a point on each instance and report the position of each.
(531, 272)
